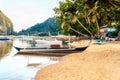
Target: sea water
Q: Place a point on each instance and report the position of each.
(15, 66)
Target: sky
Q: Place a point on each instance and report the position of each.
(26, 13)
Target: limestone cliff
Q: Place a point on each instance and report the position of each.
(6, 25)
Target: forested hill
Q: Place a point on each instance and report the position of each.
(6, 25)
(50, 25)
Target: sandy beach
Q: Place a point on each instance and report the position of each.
(98, 62)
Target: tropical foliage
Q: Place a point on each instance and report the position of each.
(115, 33)
(6, 25)
(86, 17)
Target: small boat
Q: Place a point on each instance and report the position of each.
(53, 48)
(50, 50)
(4, 38)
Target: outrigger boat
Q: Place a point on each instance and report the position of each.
(51, 47)
(50, 50)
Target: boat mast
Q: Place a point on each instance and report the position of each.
(69, 41)
(49, 35)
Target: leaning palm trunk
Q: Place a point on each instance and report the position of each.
(79, 32)
(113, 3)
(84, 27)
(98, 27)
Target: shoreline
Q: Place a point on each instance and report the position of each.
(98, 62)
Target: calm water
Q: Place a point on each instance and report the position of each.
(20, 67)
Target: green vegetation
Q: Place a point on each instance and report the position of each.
(115, 33)
(117, 27)
(86, 17)
(6, 25)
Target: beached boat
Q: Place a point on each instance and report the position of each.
(53, 48)
(50, 50)
(4, 38)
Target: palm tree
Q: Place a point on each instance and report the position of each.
(87, 13)
(66, 14)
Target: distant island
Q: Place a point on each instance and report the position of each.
(42, 29)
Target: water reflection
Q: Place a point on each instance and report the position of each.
(15, 66)
(5, 48)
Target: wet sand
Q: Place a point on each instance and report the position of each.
(98, 62)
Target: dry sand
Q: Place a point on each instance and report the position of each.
(98, 62)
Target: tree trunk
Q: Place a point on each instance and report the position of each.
(85, 28)
(98, 27)
(79, 33)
